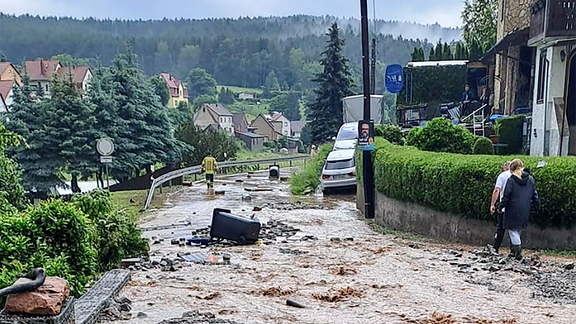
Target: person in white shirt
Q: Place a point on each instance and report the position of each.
(497, 195)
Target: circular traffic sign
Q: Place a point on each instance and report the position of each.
(105, 146)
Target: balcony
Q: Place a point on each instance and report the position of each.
(553, 19)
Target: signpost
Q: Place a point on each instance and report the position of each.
(368, 169)
(105, 147)
(394, 78)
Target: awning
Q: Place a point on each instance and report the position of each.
(515, 38)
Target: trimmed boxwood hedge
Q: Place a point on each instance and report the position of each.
(463, 184)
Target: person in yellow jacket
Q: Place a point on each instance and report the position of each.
(209, 167)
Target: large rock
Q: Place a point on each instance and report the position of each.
(47, 300)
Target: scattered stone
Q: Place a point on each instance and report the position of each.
(335, 239)
(46, 300)
(257, 209)
(130, 262)
(175, 241)
(494, 268)
(568, 266)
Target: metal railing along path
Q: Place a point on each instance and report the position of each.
(197, 169)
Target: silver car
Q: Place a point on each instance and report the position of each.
(347, 137)
(339, 171)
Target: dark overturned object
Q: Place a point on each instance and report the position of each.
(235, 228)
(293, 303)
(38, 276)
(274, 171)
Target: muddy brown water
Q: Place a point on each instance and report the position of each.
(373, 279)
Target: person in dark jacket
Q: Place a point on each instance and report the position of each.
(519, 194)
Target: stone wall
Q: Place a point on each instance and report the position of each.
(414, 218)
(514, 14)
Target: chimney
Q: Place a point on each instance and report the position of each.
(41, 67)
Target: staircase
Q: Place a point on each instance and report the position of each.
(475, 122)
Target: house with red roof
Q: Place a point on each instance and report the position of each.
(81, 76)
(41, 72)
(6, 91)
(9, 72)
(178, 92)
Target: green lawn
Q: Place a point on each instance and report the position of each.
(251, 110)
(247, 155)
(240, 89)
(133, 201)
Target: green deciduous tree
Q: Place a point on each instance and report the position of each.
(163, 58)
(188, 59)
(288, 104)
(479, 20)
(271, 84)
(226, 96)
(201, 142)
(200, 83)
(333, 84)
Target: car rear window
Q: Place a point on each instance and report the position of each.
(337, 165)
(347, 134)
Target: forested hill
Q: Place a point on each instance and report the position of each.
(236, 51)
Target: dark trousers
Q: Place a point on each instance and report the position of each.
(209, 180)
(500, 231)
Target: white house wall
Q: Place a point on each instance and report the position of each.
(544, 117)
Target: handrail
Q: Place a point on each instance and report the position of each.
(473, 113)
(197, 169)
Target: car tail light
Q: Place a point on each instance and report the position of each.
(325, 176)
(353, 173)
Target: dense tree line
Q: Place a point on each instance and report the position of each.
(242, 52)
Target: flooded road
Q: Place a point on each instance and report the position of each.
(341, 270)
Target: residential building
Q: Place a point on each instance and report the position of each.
(216, 116)
(9, 72)
(81, 76)
(240, 123)
(284, 123)
(254, 142)
(247, 96)
(264, 127)
(553, 35)
(535, 71)
(512, 58)
(296, 128)
(41, 72)
(6, 92)
(178, 93)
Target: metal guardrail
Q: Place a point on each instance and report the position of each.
(197, 169)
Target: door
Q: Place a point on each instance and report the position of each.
(571, 105)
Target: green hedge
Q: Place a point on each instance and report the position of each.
(509, 131)
(391, 133)
(483, 146)
(309, 177)
(433, 84)
(463, 184)
(440, 135)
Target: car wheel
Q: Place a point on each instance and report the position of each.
(327, 191)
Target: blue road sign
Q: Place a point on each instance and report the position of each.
(394, 78)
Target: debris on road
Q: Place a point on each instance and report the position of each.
(341, 294)
(293, 303)
(196, 317)
(275, 292)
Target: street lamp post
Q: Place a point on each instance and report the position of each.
(368, 170)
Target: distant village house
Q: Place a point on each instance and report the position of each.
(247, 96)
(215, 116)
(178, 93)
(40, 73)
(81, 76)
(265, 127)
(9, 78)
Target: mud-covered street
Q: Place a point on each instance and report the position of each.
(320, 253)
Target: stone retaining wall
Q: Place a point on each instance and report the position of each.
(410, 217)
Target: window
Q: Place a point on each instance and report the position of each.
(338, 165)
(47, 88)
(542, 76)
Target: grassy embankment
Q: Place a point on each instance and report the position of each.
(308, 178)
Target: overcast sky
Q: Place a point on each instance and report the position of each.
(445, 12)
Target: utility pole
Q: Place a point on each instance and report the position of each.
(368, 169)
(373, 68)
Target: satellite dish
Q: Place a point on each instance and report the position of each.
(105, 146)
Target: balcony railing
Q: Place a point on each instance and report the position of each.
(553, 18)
